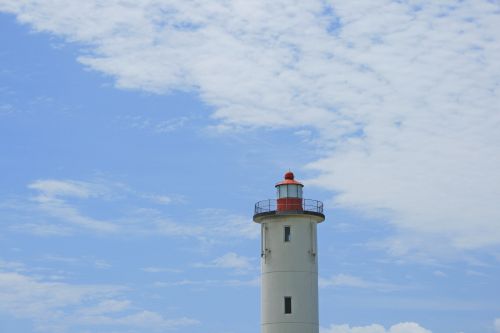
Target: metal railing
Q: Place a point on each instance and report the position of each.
(271, 205)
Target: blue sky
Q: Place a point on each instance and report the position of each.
(135, 138)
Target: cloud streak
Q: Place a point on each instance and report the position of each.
(210, 283)
(52, 198)
(67, 207)
(375, 328)
(57, 306)
(345, 280)
(230, 260)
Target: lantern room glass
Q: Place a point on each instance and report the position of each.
(289, 191)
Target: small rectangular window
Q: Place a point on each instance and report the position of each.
(288, 234)
(288, 304)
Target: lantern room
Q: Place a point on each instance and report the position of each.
(289, 193)
(289, 187)
(289, 201)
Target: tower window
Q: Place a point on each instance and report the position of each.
(288, 304)
(288, 234)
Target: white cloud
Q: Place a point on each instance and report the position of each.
(229, 260)
(52, 199)
(57, 306)
(497, 325)
(101, 264)
(346, 329)
(145, 319)
(65, 188)
(6, 109)
(404, 95)
(11, 266)
(210, 283)
(210, 226)
(159, 199)
(345, 280)
(375, 328)
(65, 207)
(232, 260)
(224, 224)
(77, 261)
(42, 229)
(26, 297)
(159, 127)
(106, 306)
(156, 126)
(440, 274)
(161, 270)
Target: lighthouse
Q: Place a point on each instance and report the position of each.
(289, 259)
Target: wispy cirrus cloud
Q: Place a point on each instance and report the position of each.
(226, 224)
(11, 266)
(155, 269)
(407, 327)
(402, 96)
(58, 306)
(239, 264)
(67, 202)
(76, 261)
(210, 225)
(69, 188)
(42, 229)
(255, 282)
(156, 126)
(52, 198)
(67, 207)
(6, 109)
(350, 281)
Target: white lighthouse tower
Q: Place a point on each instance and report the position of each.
(289, 294)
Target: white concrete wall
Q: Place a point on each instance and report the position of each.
(289, 269)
